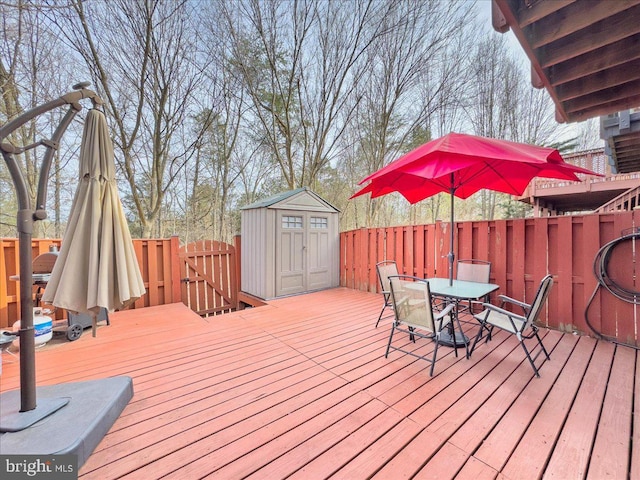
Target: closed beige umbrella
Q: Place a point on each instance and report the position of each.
(96, 267)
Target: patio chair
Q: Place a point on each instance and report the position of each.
(473, 270)
(415, 314)
(385, 269)
(522, 326)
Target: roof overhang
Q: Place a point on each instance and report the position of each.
(586, 53)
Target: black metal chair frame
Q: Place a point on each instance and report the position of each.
(413, 330)
(484, 264)
(518, 325)
(384, 286)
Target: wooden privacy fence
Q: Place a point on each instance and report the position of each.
(209, 278)
(204, 275)
(521, 252)
(158, 260)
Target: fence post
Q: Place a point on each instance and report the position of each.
(238, 263)
(176, 286)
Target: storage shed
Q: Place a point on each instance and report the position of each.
(290, 245)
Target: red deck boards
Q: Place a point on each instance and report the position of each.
(300, 388)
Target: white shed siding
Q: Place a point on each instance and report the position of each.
(277, 260)
(254, 248)
(335, 250)
(268, 238)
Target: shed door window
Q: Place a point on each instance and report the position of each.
(291, 222)
(319, 222)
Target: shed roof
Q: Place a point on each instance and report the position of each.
(284, 199)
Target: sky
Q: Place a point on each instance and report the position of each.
(484, 10)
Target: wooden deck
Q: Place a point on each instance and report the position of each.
(300, 388)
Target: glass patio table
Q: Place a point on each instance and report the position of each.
(459, 290)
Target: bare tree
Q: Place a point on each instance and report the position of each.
(502, 104)
(215, 173)
(142, 57)
(32, 71)
(410, 72)
(214, 104)
(301, 63)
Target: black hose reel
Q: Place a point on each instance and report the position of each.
(608, 281)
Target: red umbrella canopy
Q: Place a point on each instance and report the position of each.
(464, 164)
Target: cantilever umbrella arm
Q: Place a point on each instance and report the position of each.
(26, 216)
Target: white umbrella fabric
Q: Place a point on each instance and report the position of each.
(96, 267)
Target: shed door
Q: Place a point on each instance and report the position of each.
(302, 252)
(318, 251)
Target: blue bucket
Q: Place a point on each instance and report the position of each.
(42, 326)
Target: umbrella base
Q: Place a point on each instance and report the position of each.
(92, 408)
(12, 420)
(447, 339)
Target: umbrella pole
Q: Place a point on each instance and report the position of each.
(26, 332)
(13, 419)
(451, 255)
(30, 412)
(80, 425)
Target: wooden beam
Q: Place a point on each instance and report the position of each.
(498, 21)
(624, 102)
(614, 54)
(576, 18)
(606, 32)
(506, 7)
(597, 82)
(613, 94)
(539, 10)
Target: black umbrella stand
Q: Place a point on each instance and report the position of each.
(73, 429)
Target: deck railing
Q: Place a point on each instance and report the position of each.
(595, 160)
(521, 253)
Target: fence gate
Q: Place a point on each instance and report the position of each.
(208, 272)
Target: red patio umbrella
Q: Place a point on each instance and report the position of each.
(463, 164)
